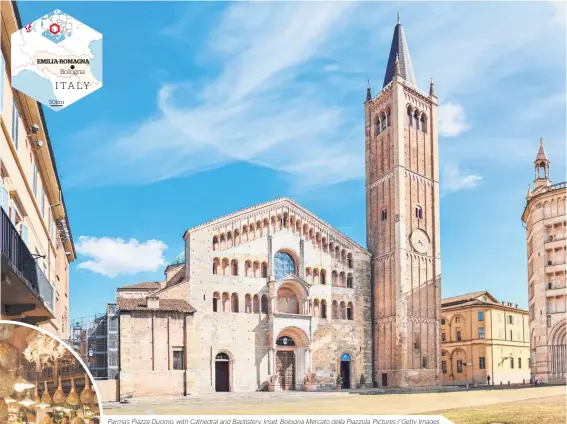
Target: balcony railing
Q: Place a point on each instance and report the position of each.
(15, 251)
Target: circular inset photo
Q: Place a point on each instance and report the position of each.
(42, 380)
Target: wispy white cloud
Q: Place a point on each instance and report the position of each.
(452, 120)
(288, 92)
(114, 256)
(454, 179)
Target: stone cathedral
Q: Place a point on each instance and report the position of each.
(274, 298)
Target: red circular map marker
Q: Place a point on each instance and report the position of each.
(54, 29)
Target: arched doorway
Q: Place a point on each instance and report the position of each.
(345, 371)
(285, 362)
(222, 372)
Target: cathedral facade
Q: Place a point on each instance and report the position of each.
(274, 298)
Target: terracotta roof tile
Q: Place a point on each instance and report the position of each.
(145, 285)
(167, 305)
(463, 297)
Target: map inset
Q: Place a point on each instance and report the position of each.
(57, 60)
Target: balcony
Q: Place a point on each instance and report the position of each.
(554, 265)
(555, 241)
(555, 288)
(26, 294)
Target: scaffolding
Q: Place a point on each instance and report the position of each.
(89, 338)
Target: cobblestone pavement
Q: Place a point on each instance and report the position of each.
(324, 403)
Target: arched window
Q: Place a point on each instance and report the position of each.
(307, 274)
(234, 267)
(422, 122)
(222, 357)
(256, 304)
(377, 124)
(283, 265)
(264, 304)
(418, 212)
(349, 260)
(229, 239)
(315, 276)
(248, 268)
(335, 310)
(323, 308)
(222, 241)
(410, 123)
(349, 281)
(215, 243)
(342, 308)
(323, 276)
(316, 308)
(384, 214)
(234, 302)
(416, 119)
(225, 266)
(264, 270)
(225, 302)
(384, 122)
(342, 280)
(349, 312)
(248, 304)
(216, 302)
(216, 263)
(256, 268)
(334, 279)
(389, 117)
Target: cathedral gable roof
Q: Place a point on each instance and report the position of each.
(293, 207)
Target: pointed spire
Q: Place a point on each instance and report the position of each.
(368, 92)
(432, 88)
(399, 49)
(541, 156)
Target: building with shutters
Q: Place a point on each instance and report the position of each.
(482, 337)
(36, 243)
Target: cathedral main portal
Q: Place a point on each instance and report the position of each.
(285, 365)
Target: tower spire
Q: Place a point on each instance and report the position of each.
(541, 167)
(368, 92)
(399, 49)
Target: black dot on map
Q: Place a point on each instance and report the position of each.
(72, 66)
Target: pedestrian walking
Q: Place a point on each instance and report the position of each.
(488, 380)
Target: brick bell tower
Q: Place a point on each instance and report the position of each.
(402, 221)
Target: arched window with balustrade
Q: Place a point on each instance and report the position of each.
(264, 270)
(342, 310)
(234, 267)
(323, 308)
(225, 302)
(216, 302)
(234, 302)
(248, 304)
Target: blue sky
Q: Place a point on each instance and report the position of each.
(211, 107)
